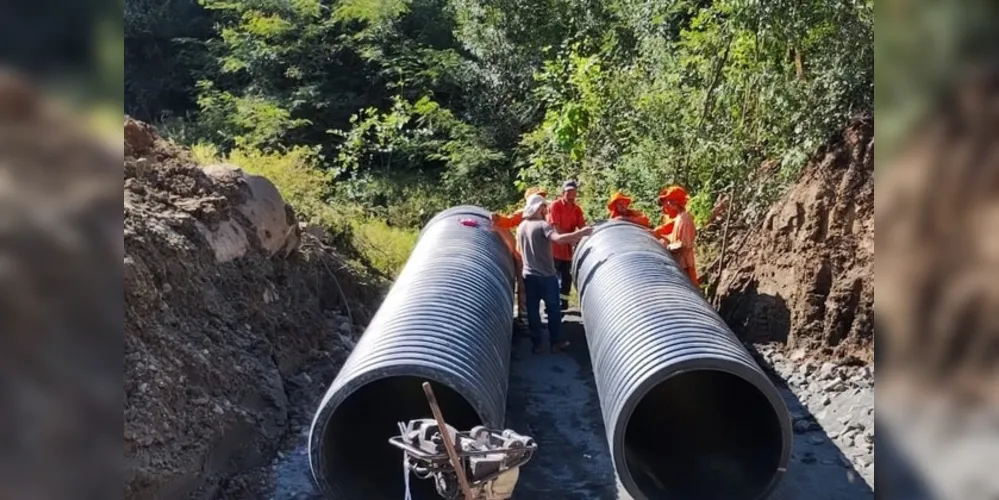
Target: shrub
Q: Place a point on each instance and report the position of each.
(384, 247)
(309, 190)
(700, 206)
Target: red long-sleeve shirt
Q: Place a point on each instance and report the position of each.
(565, 218)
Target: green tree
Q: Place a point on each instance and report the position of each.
(415, 105)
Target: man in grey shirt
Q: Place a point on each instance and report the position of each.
(534, 240)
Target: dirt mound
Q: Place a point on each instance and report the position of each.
(224, 301)
(806, 275)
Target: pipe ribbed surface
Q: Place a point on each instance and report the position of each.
(447, 319)
(689, 414)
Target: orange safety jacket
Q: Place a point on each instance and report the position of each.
(632, 216)
(509, 221)
(664, 230)
(685, 233)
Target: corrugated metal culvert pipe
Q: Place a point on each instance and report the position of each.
(447, 319)
(689, 414)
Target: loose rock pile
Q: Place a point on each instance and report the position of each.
(837, 401)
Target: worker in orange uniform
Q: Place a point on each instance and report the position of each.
(566, 217)
(619, 207)
(680, 240)
(504, 224)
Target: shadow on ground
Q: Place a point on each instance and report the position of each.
(818, 470)
(552, 398)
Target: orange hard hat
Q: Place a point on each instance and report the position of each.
(616, 197)
(674, 193)
(535, 190)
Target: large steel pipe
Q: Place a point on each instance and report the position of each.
(689, 414)
(447, 319)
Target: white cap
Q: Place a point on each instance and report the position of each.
(534, 203)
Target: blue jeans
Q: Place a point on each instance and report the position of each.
(543, 288)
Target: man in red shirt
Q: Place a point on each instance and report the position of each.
(566, 217)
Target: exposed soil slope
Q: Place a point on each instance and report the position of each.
(225, 299)
(806, 274)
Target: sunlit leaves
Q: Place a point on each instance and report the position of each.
(263, 25)
(731, 85)
(466, 94)
(371, 11)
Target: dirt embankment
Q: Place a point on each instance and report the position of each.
(805, 276)
(225, 300)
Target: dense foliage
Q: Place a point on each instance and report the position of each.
(414, 105)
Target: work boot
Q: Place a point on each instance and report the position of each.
(561, 346)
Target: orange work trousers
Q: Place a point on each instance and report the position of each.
(692, 273)
(518, 264)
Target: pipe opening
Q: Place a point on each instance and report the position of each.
(703, 434)
(358, 459)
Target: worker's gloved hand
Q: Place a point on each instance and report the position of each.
(674, 246)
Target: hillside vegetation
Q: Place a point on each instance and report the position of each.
(404, 107)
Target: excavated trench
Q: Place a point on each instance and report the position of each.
(554, 399)
(687, 412)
